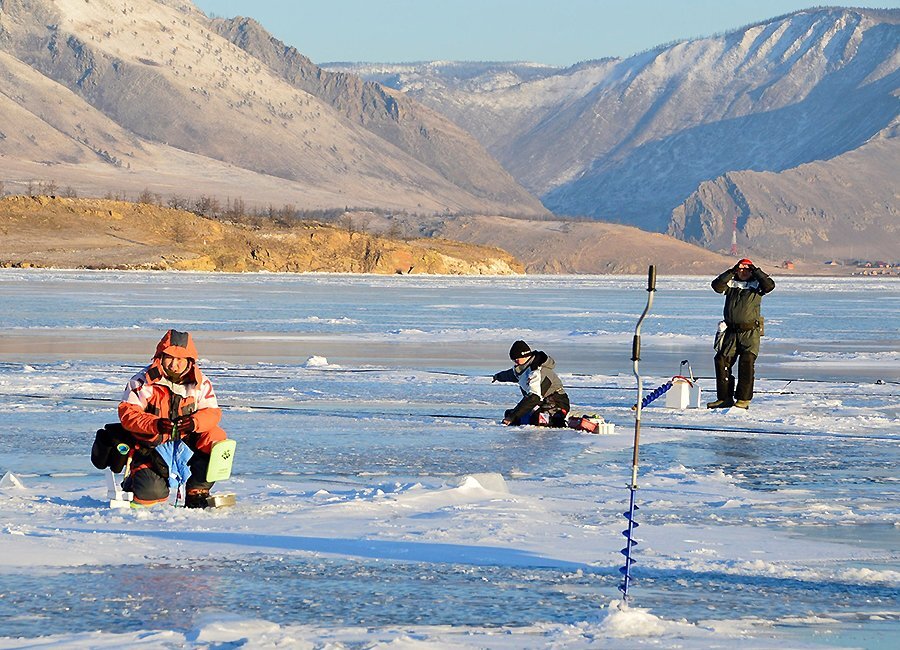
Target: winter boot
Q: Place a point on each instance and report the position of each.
(720, 404)
(196, 498)
(742, 403)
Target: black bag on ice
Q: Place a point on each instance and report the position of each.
(109, 448)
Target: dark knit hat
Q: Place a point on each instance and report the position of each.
(519, 349)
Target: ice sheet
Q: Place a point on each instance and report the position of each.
(361, 404)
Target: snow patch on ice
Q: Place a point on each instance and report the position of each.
(222, 629)
(870, 576)
(626, 622)
(487, 481)
(11, 482)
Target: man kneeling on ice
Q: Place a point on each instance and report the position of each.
(169, 422)
(544, 400)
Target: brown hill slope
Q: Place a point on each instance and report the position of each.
(89, 233)
(111, 96)
(588, 247)
(585, 247)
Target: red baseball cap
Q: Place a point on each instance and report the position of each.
(746, 261)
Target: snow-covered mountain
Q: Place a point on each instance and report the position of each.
(632, 140)
(112, 96)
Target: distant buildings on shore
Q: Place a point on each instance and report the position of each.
(866, 267)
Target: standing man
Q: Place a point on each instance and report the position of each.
(544, 400)
(744, 285)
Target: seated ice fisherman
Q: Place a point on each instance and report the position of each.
(544, 400)
(169, 401)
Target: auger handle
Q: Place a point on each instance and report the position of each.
(636, 341)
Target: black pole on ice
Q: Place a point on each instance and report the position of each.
(632, 487)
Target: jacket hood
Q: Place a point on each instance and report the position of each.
(535, 361)
(543, 359)
(176, 344)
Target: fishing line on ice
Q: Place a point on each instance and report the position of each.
(291, 372)
(357, 413)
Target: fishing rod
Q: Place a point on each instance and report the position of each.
(630, 542)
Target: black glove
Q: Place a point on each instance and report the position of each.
(496, 377)
(185, 425)
(164, 426)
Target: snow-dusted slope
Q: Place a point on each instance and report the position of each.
(629, 140)
(169, 83)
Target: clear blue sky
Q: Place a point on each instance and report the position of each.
(555, 32)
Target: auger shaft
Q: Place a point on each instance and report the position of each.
(632, 507)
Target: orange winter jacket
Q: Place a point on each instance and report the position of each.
(150, 395)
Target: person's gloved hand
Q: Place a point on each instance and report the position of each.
(186, 425)
(496, 377)
(506, 423)
(164, 429)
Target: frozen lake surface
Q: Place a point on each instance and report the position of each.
(361, 404)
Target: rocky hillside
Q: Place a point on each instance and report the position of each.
(116, 97)
(92, 233)
(845, 208)
(632, 140)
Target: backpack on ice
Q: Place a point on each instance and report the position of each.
(591, 424)
(109, 448)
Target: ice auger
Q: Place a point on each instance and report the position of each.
(632, 524)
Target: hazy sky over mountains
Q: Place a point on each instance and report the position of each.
(555, 32)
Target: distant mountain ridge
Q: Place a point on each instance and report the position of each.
(97, 93)
(633, 140)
